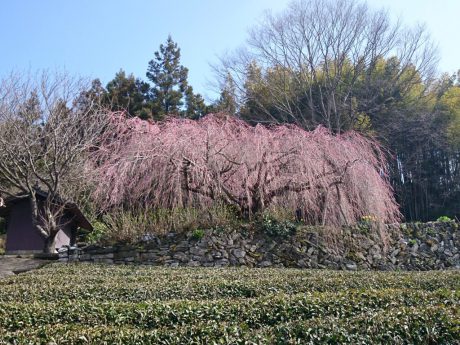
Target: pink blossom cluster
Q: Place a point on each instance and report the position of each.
(323, 178)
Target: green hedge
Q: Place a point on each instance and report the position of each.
(82, 303)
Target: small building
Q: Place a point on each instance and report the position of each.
(21, 235)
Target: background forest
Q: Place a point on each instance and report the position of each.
(336, 64)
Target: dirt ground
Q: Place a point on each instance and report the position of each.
(10, 265)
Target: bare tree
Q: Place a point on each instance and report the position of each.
(308, 63)
(44, 138)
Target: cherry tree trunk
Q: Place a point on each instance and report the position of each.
(50, 245)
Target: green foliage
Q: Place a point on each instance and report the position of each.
(197, 234)
(170, 86)
(169, 95)
(153, 305)
(195, 106)
(128, 93)
(412, 242)
(277, 228)
(363, 124)
(450, 103)
(98, 234)
(444, 219)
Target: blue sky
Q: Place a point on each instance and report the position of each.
(95, 38)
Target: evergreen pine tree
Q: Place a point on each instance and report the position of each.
(195, 106)
(128, 93)
(169, 79)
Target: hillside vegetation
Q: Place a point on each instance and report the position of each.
(97, 304)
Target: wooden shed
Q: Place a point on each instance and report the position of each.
(23, 238)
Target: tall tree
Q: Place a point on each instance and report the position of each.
(171, 94)
(125, 92)
(169, 80)
(195, 106)
(46, 136)
(421, 133)
(313, 56)
(227, 100)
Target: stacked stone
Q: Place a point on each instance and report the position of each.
(420, 247)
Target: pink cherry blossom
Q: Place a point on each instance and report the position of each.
(324, 178)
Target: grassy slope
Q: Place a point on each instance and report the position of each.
(134, 305)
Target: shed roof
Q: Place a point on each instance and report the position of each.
(71, 207)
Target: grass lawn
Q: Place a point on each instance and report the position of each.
(98, 304)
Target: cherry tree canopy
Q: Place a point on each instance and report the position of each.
(325, 178)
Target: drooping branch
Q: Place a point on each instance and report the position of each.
(222, 159)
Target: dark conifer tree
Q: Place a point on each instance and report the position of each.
(195, 106)
(130, 94)
(169, 80)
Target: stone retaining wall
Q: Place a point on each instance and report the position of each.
(425, 246)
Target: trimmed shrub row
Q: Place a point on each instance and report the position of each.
(145, 305)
